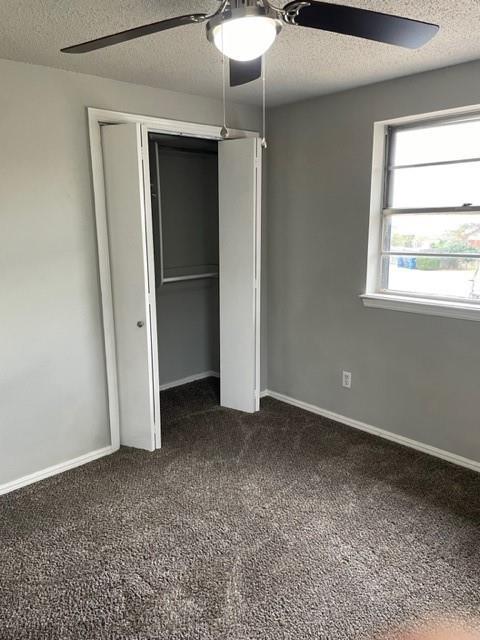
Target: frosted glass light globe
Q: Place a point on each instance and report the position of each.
(245, 38)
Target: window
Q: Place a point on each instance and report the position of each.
(428, 226)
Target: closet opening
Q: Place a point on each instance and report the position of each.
(178, 213)
(185, 225)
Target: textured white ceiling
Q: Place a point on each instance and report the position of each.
(302, 63)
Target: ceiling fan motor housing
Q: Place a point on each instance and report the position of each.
(239, 4)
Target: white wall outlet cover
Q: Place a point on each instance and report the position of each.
(346, 379)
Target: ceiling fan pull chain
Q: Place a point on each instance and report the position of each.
(264, 118)
(224, 130)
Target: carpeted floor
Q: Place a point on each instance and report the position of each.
(280, 525)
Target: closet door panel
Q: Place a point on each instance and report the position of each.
(133, 286)
(239, 238)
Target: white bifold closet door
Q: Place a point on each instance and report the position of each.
(239, 180)
(133, 286)
(129, 219)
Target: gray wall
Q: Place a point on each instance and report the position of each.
(53, 403)
(412, 375)
(188, 329)
(187, 312)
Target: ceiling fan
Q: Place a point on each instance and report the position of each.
(243, 30)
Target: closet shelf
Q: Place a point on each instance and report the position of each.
(196, 276)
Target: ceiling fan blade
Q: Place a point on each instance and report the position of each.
(361, 23)
(243, 72)
(136, 32)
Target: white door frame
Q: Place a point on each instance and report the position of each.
(96, 118)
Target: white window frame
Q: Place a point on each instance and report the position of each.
(374, 296)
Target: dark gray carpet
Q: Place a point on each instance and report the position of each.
(279, 525)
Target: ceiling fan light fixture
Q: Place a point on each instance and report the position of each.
(246, 34)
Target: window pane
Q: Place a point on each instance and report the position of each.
(454, 141)
(424, 275)
(438, 186)
(435, 233)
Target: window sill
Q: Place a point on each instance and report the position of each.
(459, 310)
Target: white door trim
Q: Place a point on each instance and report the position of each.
(258, 268)
(152, 294)
(97, 117)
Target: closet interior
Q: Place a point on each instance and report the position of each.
(185, 222)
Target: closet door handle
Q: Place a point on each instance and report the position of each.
(140, 324)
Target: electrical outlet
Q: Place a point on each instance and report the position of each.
(347, 379)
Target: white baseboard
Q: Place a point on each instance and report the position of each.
(381, 433)
(194, 378)
(356, 424)
(55, 469)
